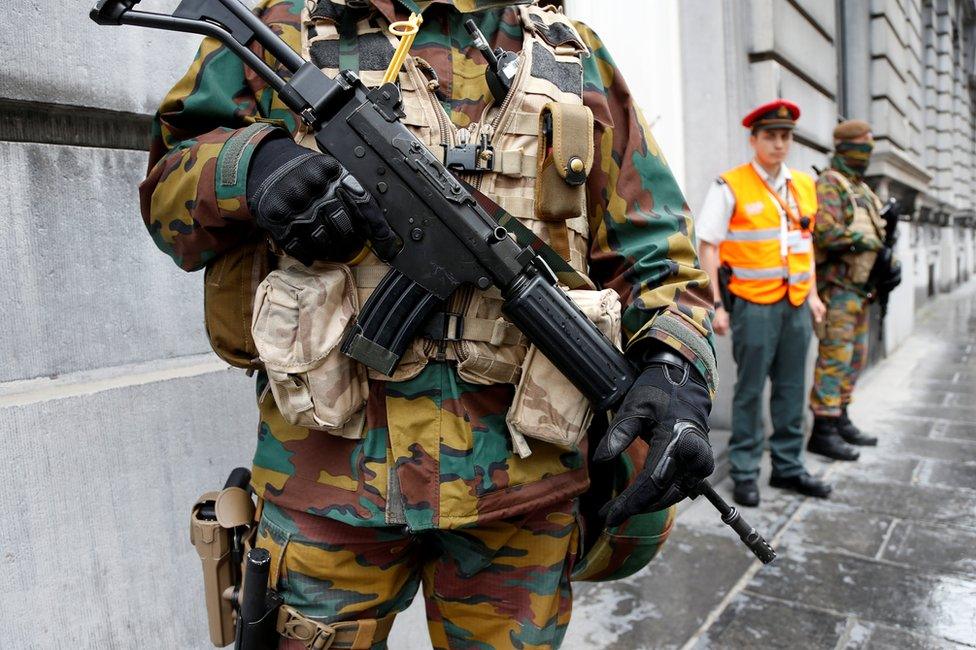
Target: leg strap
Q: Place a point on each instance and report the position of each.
(347, 635)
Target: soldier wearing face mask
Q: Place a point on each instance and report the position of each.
(848, 236)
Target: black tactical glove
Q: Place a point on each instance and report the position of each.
(893, 278)
(312, 207)
(668, 396)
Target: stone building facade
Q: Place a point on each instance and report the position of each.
(907, 66)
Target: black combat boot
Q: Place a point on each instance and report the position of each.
(746, 493)
(803, 483)
(851, 434)
(826, 441)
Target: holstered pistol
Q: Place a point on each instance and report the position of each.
(219, 524)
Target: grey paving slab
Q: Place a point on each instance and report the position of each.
(960, 399)
(752, 621)
(875, 467)
(900, 445)
(938, 605)
(949, 474)
(936, 548)
(958, 414)
(947, 385)
(959, 431)
(837, 527)
(923, 502)
(874, 636)
(662, 606)
(886, 426)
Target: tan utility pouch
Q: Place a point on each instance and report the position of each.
(565, 159)
(229, 285)
(300, 315)
(859, 264)
(547, 406)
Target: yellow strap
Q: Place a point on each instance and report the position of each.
(407, 31)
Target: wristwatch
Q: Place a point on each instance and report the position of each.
(717, 304)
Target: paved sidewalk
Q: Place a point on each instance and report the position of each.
(888, 562)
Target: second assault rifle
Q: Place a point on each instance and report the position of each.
(886, 273)
(449, 234)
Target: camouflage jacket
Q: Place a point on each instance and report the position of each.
(832, 236)
(445, 440)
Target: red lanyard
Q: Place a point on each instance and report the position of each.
(789, 187)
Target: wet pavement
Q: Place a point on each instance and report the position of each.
(888, 562)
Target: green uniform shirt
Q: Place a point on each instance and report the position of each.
(832, 236)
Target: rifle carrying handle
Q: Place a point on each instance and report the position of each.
(108, 12)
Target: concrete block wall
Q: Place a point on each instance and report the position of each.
(115, 414)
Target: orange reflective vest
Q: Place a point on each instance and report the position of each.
(768, 263)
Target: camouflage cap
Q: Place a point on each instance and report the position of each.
(851, 129)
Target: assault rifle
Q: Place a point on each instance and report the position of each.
(886, 272)
(450, 234)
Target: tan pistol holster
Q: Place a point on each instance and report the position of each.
(220, 524)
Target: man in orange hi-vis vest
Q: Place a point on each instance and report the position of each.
(755, 232)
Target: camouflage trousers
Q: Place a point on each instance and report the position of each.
(843, 351)
(504, 584)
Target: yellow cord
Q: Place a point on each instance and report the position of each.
(407, 31)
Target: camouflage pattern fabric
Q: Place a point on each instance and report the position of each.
(832, 235)
(436, 447)
(505, 584)
(302, 361)
(843, 351)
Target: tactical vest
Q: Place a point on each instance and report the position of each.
(487, 348)
(866, 221)
(754, 246)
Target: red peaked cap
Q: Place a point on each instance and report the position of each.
(777, 114)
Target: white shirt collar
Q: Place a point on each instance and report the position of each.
(779, 180)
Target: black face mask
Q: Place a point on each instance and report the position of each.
(855, 155)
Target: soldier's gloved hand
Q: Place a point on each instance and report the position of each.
(312, 207)
(893, 278)
(669, 392)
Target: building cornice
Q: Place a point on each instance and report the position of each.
(892, 162)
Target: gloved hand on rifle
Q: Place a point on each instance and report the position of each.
(669, 391)
(313, 208)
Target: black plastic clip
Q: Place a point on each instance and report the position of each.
(467, 156)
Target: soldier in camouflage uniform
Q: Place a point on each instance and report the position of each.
(848, 235)
(429, 489)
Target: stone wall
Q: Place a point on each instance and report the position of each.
(115, 414)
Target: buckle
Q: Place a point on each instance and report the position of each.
(467, 156)
(444, 326)
(312, 634)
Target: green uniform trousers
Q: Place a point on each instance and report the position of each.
(843, 351)
(768, 341)
(504, 584)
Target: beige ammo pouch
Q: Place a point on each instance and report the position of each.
(547, 406)
(859, 264)
(869, 226)
(565, 159)
(229, 284)
(300, 315)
